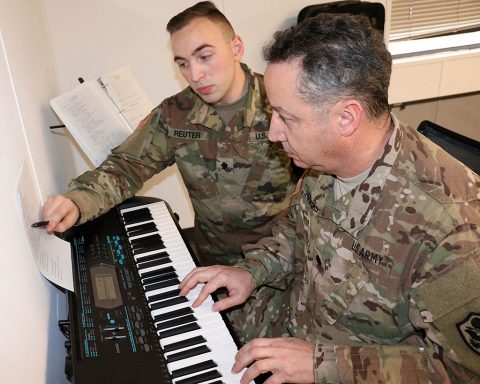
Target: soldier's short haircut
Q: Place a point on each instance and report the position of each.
(341, 57)
(204, 9)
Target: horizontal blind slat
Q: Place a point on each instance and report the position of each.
(412, 18)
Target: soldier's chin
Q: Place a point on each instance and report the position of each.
(300, 164)
(208, 98)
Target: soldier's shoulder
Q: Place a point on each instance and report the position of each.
(183, 100)
(450, 299)
(437, 173)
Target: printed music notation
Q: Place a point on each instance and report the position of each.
(52, 255)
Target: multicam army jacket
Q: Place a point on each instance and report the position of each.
(386, 280)
(237, 180)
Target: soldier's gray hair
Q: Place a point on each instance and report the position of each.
(341, 57)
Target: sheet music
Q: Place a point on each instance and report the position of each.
(127, 95)
(51, 254)
(92, 119)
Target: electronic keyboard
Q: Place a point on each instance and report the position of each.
(127, 321)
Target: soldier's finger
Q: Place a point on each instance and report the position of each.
(65, 223)
(257, 353)
(53, 222)
(255, 370)
(253, 350)
(226, 303)
(202, 296)
(62, 217)
(52, 205)
(52, 225)
(190, 281)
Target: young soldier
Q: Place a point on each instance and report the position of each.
(215, 130)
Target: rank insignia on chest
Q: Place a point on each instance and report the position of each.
(470, 331)
(308, 196)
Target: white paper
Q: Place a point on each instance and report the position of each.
(127, 95)
(51, 254)
(92, 119)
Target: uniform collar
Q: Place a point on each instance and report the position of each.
(353, 211)
(204, 114)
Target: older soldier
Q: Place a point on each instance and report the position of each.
(380, 255)
(216, 131)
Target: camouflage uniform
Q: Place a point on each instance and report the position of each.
(385, 280)
(237, 180)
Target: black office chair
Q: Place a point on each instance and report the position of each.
(464, 149)
(374, 11)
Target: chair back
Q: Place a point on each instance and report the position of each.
(464, 149)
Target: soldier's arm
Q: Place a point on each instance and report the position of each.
(425, 362)
(143, 154)
(444, 310)
(271, 260)
(446, 302)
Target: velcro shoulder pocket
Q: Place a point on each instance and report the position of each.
(452, 303)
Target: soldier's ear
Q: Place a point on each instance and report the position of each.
(350, 117)
(238, 48)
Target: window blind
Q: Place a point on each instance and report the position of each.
(424, 18)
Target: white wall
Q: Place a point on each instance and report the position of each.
(32, 346)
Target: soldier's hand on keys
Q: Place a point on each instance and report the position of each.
(290, 360)
(238, 283)
(61, 213)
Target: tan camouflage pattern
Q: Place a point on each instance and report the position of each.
(237, 180)
(380, 279)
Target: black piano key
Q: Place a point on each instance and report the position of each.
(163, 296)
(137, 216)
(203, 366)
(188, 353)
(153, 256)
(201, 378)
(142, 229)
(154, 263)
(154, 238)
(136, 212)
(155, 272)
(162, 284)
(184, 343)
(178, 330)
(148, 242)
(146, 274)
(147, 248)
(168, 302)
(142, 248)
(172, 314)
(157, 279)
(178, 321)
(148, 245)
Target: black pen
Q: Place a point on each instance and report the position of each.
(40, 224)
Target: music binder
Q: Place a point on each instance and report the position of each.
(101, 114)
